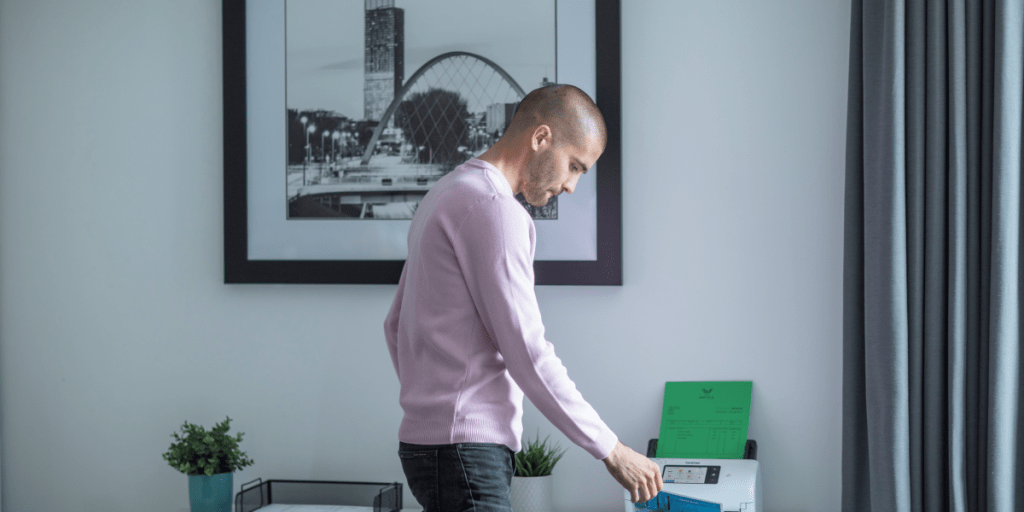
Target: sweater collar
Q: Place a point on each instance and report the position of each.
(496, 175)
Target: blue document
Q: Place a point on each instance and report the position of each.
(668, 502)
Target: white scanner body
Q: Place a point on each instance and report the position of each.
(735, 484)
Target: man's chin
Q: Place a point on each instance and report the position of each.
(534, 202)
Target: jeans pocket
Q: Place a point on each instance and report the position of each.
(420, 467)
(488, 469)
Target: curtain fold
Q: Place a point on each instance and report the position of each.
(932, 273)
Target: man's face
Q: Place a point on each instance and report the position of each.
(557, 169)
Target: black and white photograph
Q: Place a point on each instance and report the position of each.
(340, 115)
(384, 97)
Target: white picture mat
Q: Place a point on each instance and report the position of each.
(271, 236)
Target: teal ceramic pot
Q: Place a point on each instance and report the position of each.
(210, 493)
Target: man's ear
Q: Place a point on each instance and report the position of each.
(541, 137)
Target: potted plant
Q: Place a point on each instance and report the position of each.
(209, 459)
(531, 484)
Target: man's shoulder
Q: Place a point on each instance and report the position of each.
(468, 180)
(470, 187)
(471, 206)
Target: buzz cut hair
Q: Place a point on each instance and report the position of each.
(570, 112)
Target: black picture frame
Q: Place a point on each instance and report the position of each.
(606, 270)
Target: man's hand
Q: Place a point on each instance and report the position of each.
(636, 473)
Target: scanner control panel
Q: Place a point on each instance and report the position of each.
(672, 474)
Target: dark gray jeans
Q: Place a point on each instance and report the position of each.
(459, 477)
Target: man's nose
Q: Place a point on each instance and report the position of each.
(570, 185)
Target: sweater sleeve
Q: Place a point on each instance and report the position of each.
(391, 322)
(494, 246)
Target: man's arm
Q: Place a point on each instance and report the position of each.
(495, 252)
(493, 245)
(391, 321)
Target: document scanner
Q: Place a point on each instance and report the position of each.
(705, 485)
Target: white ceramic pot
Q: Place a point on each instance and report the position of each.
(531, 493)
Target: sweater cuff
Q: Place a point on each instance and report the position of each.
(602, 447)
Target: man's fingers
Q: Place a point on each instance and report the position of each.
(653, 481)
(647, 494)
(656, 482)
(641, 491)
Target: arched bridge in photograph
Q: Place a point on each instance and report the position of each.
(468, 74)
(442, 113)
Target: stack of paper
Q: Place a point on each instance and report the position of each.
(705, 420)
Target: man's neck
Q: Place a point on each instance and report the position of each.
(506, 163)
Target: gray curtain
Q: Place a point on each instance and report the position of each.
(932, 405)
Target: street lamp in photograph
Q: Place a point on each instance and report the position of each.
(323, 157)
(305, 158)
(311, 129)
(304, 120)
(334, 143)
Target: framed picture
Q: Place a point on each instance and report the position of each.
(339, 115)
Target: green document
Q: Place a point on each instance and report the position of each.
(705, 420)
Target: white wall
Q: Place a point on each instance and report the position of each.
(115, 327)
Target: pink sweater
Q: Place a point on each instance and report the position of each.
(465, 332)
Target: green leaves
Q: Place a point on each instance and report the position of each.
(198, 452)
(537, 458)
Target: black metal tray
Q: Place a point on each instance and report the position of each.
(383, 497)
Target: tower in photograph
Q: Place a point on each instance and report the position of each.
(384, 59)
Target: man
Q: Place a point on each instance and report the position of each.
(465, 331)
